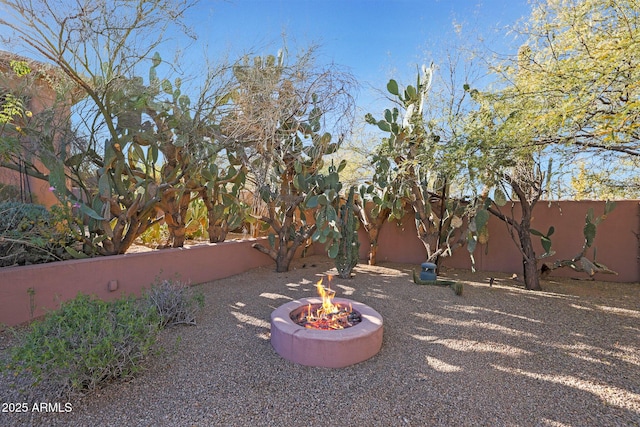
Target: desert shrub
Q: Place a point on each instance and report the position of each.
(458, 288)
(22, 216)
(9, 192)
(87, 342)
(30, 234)
(174, 302)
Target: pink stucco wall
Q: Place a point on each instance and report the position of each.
(616, 241)
(60, 281)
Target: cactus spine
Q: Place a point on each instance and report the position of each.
(348, 250)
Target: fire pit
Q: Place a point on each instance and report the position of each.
(327, 332)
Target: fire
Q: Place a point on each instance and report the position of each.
(327, 315)
(327, 296)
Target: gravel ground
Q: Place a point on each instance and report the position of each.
(496, 356)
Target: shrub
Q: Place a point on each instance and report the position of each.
(9, 192)
(174, 302)
(87, 342)
(30, 234)
(22, 217)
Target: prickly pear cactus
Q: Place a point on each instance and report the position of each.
(580, 262)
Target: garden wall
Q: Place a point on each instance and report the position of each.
(114, 276)
(616, 241)
(110, 277)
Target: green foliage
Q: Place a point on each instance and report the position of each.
(580, 262)
(13, 112)
(9, 192)
(387, 202)
(413, 167)
(196, 220)
(20, 68)
(87, 343)
(223, 180)
(347, 255)
(30, 234)
(572, 90)
(12, 106)
(291, 102)
(593, 183)
(545, 240)
(175, 302)
(145, 141)
(326, 204)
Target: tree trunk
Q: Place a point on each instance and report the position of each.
(177, 235)
(285, 253)
(282, 262)
(217, 233)
(373, 245)
(529, 261)
(373, 253)
(175, 208)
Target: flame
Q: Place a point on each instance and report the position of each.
(327, 315)
(327, 295)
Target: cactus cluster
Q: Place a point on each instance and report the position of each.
(348, 245)
(410, 148)
(160, 158)
(580, 262)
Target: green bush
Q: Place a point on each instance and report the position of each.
(9, 192)
(30, 234)
(174, 302)
(23, 217)
(87, 343)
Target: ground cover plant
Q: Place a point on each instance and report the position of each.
(88, 342)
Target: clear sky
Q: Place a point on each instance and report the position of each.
(374, 39)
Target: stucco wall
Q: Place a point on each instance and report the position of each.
(616, 241)
(52, 283)
(60, 281)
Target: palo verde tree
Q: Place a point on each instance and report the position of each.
(503, 160)
(97, 46)
(281, 117)
(570, 91)
(579, 69)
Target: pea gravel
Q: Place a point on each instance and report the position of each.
(496, 356)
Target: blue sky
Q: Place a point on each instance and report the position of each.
(374, 39)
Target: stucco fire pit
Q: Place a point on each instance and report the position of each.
(326, 348)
